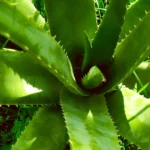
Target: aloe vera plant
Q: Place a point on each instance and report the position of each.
(73, 67)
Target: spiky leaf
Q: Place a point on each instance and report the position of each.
(68, 20)
(105, 41)
(136, 12)
(135, 45)
(133, 117)
(88, 122)
(22, 78)
(47, 123)
(27, 7)
(47, 51)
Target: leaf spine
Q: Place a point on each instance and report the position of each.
(62, 76)
(48, 32)
(14, 4)
(49, 66)
(146, 11)
(59, 42)
(36, 15)
(6, 35)
(46, 26)
(128, 6)
(26, 48)
(39, 57)
(118, 43)
(30, 18)
(54, 36)
(69, 82)
(56, 71)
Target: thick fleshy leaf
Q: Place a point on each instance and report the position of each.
(101, 52)
(135, 13)
(45, 131)
(68, 20)
(130, 111)
(27, 7)
(89, 125)
(135, 45)
(21, 76)
(47, 51)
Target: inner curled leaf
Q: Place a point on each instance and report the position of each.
(93, 78)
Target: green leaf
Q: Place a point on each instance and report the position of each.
(47, 123)
(89, 125)
(93, 78)
(135, 13)
(68, 20)
(27, 7)
(22, 78)
(87, 56)
(47, 51)
(142, 72)
(135, 45)
(143, 89)
(130, 111)
(105, 41)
